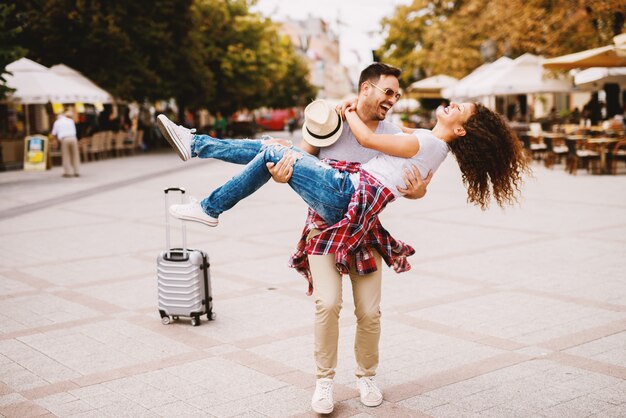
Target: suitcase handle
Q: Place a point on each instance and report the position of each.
(174, 189)
(167, 223)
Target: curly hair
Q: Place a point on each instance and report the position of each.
(491, 159)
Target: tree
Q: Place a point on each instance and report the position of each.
(430, 37)
(9, 50)
(132, 49)
(253, 65)
(203, 53)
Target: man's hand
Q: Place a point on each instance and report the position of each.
(281, 172)
(415, 185)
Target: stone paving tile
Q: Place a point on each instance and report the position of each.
(23, 410)
(250, 316)
(179, 409)
(576, 275)
(11, 398)
(24, 312)
(64, 404)
(610, 349)
(23, 367)
(79, 240)
(132, 294)
(518, 317)
(102, 346)
(9, 286)
(527, 389)
(74, 272)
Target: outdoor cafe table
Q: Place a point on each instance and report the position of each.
(603, 143)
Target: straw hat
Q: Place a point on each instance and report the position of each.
(322, 125)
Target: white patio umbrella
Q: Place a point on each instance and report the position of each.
(606, 56)
(461, 90)
(96, 92)
(36, 84)
(524, 75)
(596, 77)
(431, 87)
(406, 105)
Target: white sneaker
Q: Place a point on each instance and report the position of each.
(192, 211)
(371, 395)
(322, 402)
(178, 136)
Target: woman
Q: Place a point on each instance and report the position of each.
(488, 152)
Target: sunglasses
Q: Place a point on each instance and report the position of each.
(388, 92)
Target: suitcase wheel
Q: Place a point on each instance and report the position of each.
(195, 321)
(165, 320)
(210, 315)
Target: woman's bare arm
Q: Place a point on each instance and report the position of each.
(404, 146)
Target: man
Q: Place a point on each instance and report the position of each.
(64, 129)
(378, 92)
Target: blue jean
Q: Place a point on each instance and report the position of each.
(324, 189)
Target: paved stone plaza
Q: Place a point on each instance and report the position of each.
(515, 313)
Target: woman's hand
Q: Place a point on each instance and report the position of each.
(346, 105)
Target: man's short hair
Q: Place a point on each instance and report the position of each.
(373, 72)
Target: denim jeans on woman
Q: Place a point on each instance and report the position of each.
(324, 189)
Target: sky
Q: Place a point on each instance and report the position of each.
(356, 21)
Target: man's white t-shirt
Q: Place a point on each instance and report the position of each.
(347, 148)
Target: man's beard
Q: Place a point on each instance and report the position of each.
(371, 111)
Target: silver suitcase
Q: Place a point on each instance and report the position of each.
(183, 278)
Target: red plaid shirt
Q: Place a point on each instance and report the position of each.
(354, 237)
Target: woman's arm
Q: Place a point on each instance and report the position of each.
(404, 146)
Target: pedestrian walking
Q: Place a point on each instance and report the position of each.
(64, 129)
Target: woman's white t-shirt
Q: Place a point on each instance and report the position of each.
(388, 169)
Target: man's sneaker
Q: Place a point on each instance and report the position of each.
(193, 212)
(370, 393)
(178, 136)
(322, 401)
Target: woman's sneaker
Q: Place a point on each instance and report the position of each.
(193, 212)
(322, 402)
(178, 136)
(371, 395)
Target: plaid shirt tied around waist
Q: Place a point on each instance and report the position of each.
(355, 237)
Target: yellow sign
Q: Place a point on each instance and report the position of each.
(80, 107)
(35, 153)
(57, 108)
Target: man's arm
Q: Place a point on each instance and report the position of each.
(415, 185)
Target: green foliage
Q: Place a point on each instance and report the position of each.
(9, 50)
(204, 53)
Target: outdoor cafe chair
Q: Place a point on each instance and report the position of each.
(616, 153)
(97, 145)
(578, 154)
(84, 146)
(534, 142)
(118, 140)
(107, 147)
(555, 148)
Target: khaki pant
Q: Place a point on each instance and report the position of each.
(327, 291)
(70, 156)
